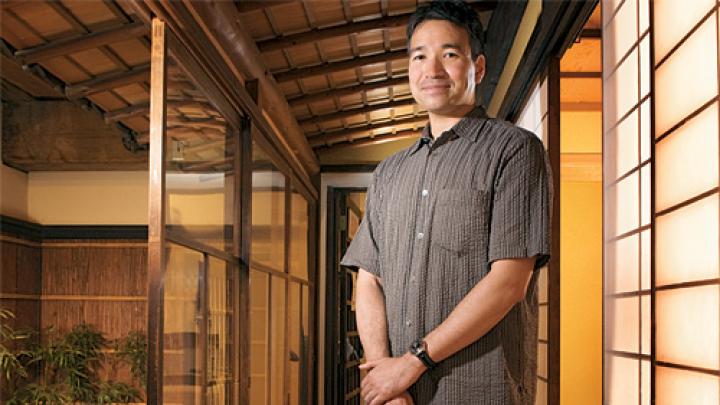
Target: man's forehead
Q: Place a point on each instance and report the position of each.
(457, 37)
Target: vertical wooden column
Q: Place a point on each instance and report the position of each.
(156, 214)
(242, 242)
(553, 138)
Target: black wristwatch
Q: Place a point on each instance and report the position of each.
(418, 349)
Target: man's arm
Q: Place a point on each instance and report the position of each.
(371, 316)
(372, 324)
(481, 309)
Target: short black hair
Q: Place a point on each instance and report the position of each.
(456, 12)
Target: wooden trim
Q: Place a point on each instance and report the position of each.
(244, 215)
(554, 268)
(84, 42)
(156, 213)
(408, 102)
(332, 67)
(344, 91)
(108, 81)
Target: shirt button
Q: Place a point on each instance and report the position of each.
(425, 193)
(420, 235)
(408, 323)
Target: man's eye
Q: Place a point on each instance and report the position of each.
(418, 57)
(451, 55)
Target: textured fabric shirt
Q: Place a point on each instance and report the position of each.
(438, 214)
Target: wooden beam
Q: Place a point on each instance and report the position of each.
(81, 43)
(13, 72)
(156, 215)
(363, 110)
(246, 6)
(127, 112)
(319, 34)
(325, 95)
(361, 132)
(376, 140)
(108, 81)
(332, 67)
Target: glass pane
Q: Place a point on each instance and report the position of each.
(622, 382)
(626, 205)
(645, 393)
(687, 326)
(645, 254)
(623, 276)
(645, 68)
(278, 352)
(543, 322)
(645, 324)
(687, 160)
(182, 355)
(299, 236)
(687, 243)
(626, 143)
(294, 341)
(541, 396)
(199, 179)
(220, 326)
(645, 137)
(681, 16)
(542, 285)
(674, 387)
(306, 371)
(621, 90)
(259, 353)
(686, 80)
(645, 193)
(621, 34)
(623, 321)
(268, 213)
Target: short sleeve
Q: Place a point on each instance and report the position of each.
(520, 218)
(363, 251)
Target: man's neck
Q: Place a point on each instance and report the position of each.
(440, 123)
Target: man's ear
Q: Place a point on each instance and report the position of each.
(479, 69)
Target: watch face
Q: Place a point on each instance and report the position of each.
(417, 347)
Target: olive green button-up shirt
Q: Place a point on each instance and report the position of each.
(438, 214)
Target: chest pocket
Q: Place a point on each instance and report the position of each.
(460, 219)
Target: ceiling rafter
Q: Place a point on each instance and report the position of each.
(246, 6)
(377, 139)
(332, 67)
(108, 81)
(362, 110)
(352, 134)
(81, 43)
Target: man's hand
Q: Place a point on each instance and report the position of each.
(389, 377)
(402, 399)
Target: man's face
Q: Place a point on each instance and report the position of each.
(442, 72)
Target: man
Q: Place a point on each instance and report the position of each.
(454, 229)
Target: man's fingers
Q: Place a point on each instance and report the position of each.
(368, 366)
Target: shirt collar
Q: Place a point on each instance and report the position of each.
(468, 127)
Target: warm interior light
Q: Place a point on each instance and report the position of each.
(686, 80)
(259, 285)
(691, 149)
(673, 387)
(626, 144)
(624, 332)
(627, 214)
(686, 322)
(625, 257)
(277, 340)
(678, 17)
(622, 380)
(686, 240)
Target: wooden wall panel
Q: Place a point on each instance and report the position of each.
(20, 280)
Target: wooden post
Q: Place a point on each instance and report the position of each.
(156, 214)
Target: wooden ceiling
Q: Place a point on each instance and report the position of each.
(340, 64)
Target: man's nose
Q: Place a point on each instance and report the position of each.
(434, 68)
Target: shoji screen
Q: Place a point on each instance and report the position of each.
(660, 112)
(686, 274)
(627, 180)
